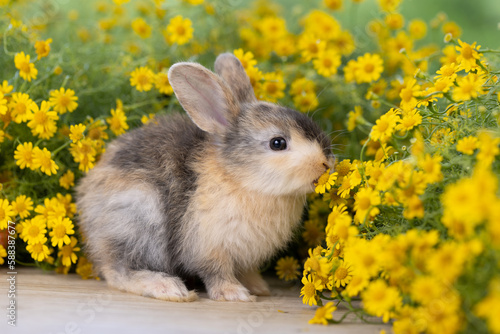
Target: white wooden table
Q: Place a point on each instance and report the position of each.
(49, 303)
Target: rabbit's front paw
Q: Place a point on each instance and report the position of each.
(227, 291)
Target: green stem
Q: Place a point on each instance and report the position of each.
(57, 150)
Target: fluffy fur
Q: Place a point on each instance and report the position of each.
(201, 195)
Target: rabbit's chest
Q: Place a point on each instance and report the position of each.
(248, 227)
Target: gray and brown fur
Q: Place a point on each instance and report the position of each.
(202, 195)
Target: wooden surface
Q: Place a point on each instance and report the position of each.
(53, 303)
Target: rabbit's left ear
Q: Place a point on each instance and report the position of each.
(205, 97)
(230, 69)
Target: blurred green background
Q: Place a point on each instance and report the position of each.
(479, 19)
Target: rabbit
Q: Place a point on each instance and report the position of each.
(212, 194)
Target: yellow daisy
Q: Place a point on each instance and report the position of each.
(179, 30)
(63, 100)
(67, 180)
(467, 145)
(323, 314)
(369, 68)
(43, 48)
(24, 155)
(287, 268)
(142, 78)
(327, 62)
(21, 107)
(22, 206)
(342, 275)
(34, 230)
(67, 252)
(61, 229)
(27, 70)
(43, 121)
(468, 55)
(43, 160)
(308, 291)
(325, 182)
(76, 132)
(39, 251)
(117, 122)
(141, 28)
(6, 213)
(162, 83)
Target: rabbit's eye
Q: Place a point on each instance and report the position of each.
(278, 144)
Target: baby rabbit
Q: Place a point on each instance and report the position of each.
(212, 195)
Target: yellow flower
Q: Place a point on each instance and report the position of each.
(327, 62)
(27, 70)
(366, 200)
(22, 206)
(141, 28)
(6, 213)
(142, 79)
(343, 43)
(39, 251)
(409, 121)
(306, 102)
(394, 21)
(325, 182)
(310, 46)
(381, 300)
(447, 262)
(272, 27)
(34, 230)
(356, 285)
(308, 291)
(369, 68)
(489, 307)
(431, 166)
(21, 107)
(272, 88)
(5, 88)
(488, 149)
(452, 28)
(3, 105)
(469, 87)
(61, 229)
(84, 268)
(417, 29)
(43, 48)
(67, 180)
(67, 252)
(43, 121)
(467, 145)
(333, 4)
(447, 72)
(24, 155)
(364, 257)
(389, 5)
(409, 93)
(76, 132)
(117, 122)
(246, 58)
(43, 159)
(313, 233)
(385, 126)
(162, 83)
(287, 268)
(63, 100)
(302, 86)
(3, 254)
(323, 314)
(179, 30)
(468, 55)
(353, 117)
(342, 275)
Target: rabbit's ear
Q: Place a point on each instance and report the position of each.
(204, 96)
(230, 69)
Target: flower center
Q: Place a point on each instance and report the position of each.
(64, 101)
(369, 68)
(181, 30)
(272, 88)
(341, 273)
(59, 231)
(33, 231)
(467, 52)
(309, 289)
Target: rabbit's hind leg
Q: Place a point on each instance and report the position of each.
(149, 284)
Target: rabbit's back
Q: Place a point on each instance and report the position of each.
(132, 202)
